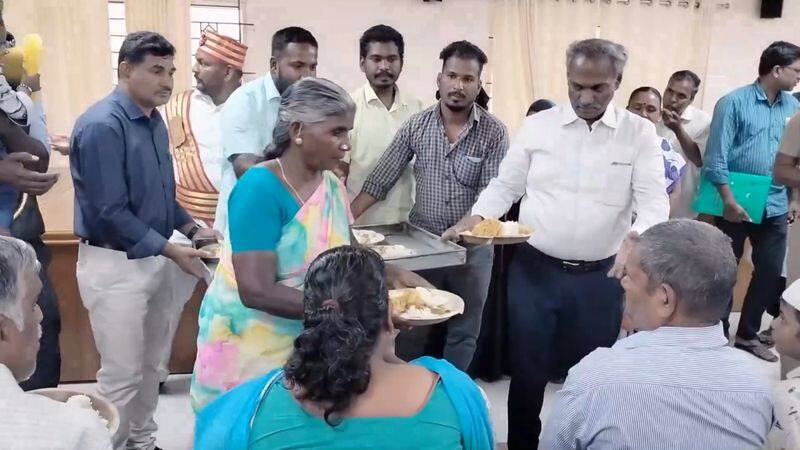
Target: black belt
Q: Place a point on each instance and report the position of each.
(571, 266)
(100, 245)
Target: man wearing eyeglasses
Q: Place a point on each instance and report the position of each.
(746, 132)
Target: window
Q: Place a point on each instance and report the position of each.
(223, 19)
(116, 33)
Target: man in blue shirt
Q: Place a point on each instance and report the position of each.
(125, 212)
(250, 113)
(746, 131)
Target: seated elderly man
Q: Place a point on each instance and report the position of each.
(675, 384)
(30, 421)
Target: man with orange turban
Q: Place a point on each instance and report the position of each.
(193, 119)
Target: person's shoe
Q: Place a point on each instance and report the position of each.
(766, 337)
(755, 348)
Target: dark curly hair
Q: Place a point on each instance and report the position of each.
(345, 307)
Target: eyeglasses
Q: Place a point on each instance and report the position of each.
(796, 71)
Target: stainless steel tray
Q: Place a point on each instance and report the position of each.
(430, 251)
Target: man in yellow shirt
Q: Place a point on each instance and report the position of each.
(380, 110)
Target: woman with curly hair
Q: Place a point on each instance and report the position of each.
(342, 387)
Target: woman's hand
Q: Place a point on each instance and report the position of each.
(398, 278)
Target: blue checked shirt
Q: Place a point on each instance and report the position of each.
(670, 388)
(448, 176)
(745, 135)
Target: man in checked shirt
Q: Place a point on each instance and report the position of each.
(458, 148)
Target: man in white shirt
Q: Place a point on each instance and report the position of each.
(381, 107)
(193, 120)
(676, 383)
(581, 171)
(686, 128)
(30, 421)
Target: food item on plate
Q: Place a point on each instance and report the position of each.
(393, 251)
(418, 302)
(84, 402)
(488, 228)
(491, 228)
(368, 237)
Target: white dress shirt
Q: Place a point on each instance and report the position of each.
(581, 186)
(785, 434)
(670, 388)
(204, 117)
(34, 422)
(697, 124)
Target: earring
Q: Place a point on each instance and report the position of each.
(298, 141)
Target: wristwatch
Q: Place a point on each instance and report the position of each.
(26, 88)
(195, 228)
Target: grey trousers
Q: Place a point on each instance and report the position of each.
(470, 282)
(130, 304)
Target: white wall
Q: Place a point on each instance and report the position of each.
(738, 37)
(337, 25)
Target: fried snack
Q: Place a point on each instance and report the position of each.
(488, 228)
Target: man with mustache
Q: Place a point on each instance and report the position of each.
(580, 170)
(686, 128)
(250, 114)
(125, 212)
(193, 120)
(458, 147)
(381, 108)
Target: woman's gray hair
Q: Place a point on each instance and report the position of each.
(599, 48)
(16, 258)
(309, 100)
(696, 260)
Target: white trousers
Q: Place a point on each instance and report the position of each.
(130, 303)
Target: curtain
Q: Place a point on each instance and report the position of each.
(75, 73)
(75, 68)
(172, 19)
(530, 38)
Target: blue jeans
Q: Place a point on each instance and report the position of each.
(470, 282)
(556, 317)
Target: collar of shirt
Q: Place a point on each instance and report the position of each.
(399, 99)
(8, 384)
(474, 119)
(132, 110)
(666, 336)
(205, 98)
(270, 89)
(761, 95)
(688, 114)
(609, 117)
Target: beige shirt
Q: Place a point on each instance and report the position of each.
(204, 117)
(579, 187)
(697, 124)
(785, 434)
(373, 130)
(33, 422)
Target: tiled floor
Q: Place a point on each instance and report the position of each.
(176, 420)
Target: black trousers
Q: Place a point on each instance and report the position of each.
(769, 248)
(556, 318)
(48, 360)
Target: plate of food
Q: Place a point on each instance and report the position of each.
(105, 410)
(421, 306)
(493, 231)
(393, 251)
(368, 237)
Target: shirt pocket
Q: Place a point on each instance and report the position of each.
(617, 184)
(467, 168)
